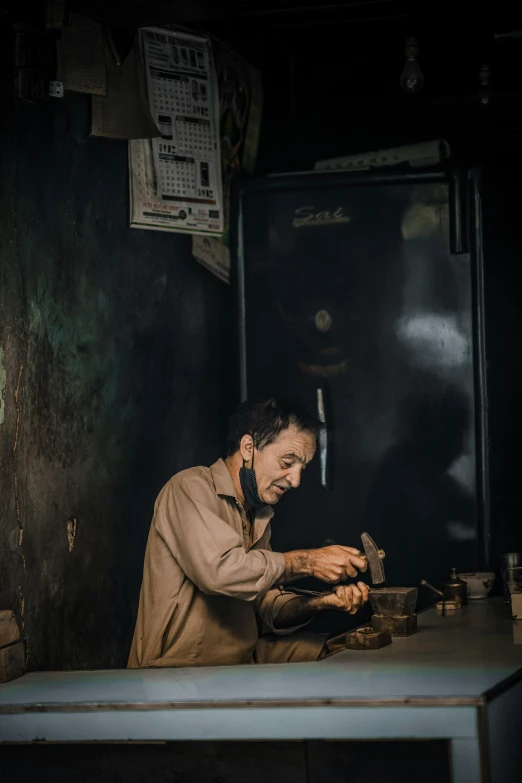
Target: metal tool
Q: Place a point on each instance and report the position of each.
(394, 610)
(374, 558)
(455, 591)
(364, 638)
(367, 638)
(442, 603)
(394, 607)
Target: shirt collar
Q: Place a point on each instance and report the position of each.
(225, 486)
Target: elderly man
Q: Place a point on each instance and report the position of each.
(212, 591)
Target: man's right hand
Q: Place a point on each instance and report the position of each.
(331, 564)
(334, 564)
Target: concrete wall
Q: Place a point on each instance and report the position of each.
(116, 370)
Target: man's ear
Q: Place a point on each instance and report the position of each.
(246, 447)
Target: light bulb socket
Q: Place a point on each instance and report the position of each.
(485, 75)
(411, 49)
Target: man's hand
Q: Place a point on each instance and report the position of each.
(347, 598)
(332, 564)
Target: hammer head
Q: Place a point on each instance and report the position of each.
(375, 564)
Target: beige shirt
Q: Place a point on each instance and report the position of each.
(205, 577)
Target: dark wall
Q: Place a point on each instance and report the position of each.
(307, 118)
(116, 369)
(502, 207)
(331, 76)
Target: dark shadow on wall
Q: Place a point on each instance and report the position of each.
(119, 362)
(413, 484)
(188, 429)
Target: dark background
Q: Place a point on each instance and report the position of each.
(120, 350)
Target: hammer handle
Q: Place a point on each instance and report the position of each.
(381, 552)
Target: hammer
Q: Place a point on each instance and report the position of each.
(372, 555)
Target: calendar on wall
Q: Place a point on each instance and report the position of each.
(175, 179)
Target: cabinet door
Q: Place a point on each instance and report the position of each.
(352, 290)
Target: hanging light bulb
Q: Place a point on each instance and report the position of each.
(412, 78)
(484, 93)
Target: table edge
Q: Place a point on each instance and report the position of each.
(125, 706)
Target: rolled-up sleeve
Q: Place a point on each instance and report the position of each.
(208, 550)
(269, 606)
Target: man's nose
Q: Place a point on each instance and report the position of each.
(294, 477)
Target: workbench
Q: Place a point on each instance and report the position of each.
(459, 678)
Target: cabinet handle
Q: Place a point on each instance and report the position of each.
(323, 439)
(458, 229)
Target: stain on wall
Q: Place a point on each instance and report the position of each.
(118, 363)
(3, 382)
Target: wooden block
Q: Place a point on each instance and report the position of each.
(12, 662)
(9, 631)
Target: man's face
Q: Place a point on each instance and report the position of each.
(280, 464)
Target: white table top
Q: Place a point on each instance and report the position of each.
(454, 659)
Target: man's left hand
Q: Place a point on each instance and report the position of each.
(346, 598)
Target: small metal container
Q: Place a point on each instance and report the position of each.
(455, 589)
